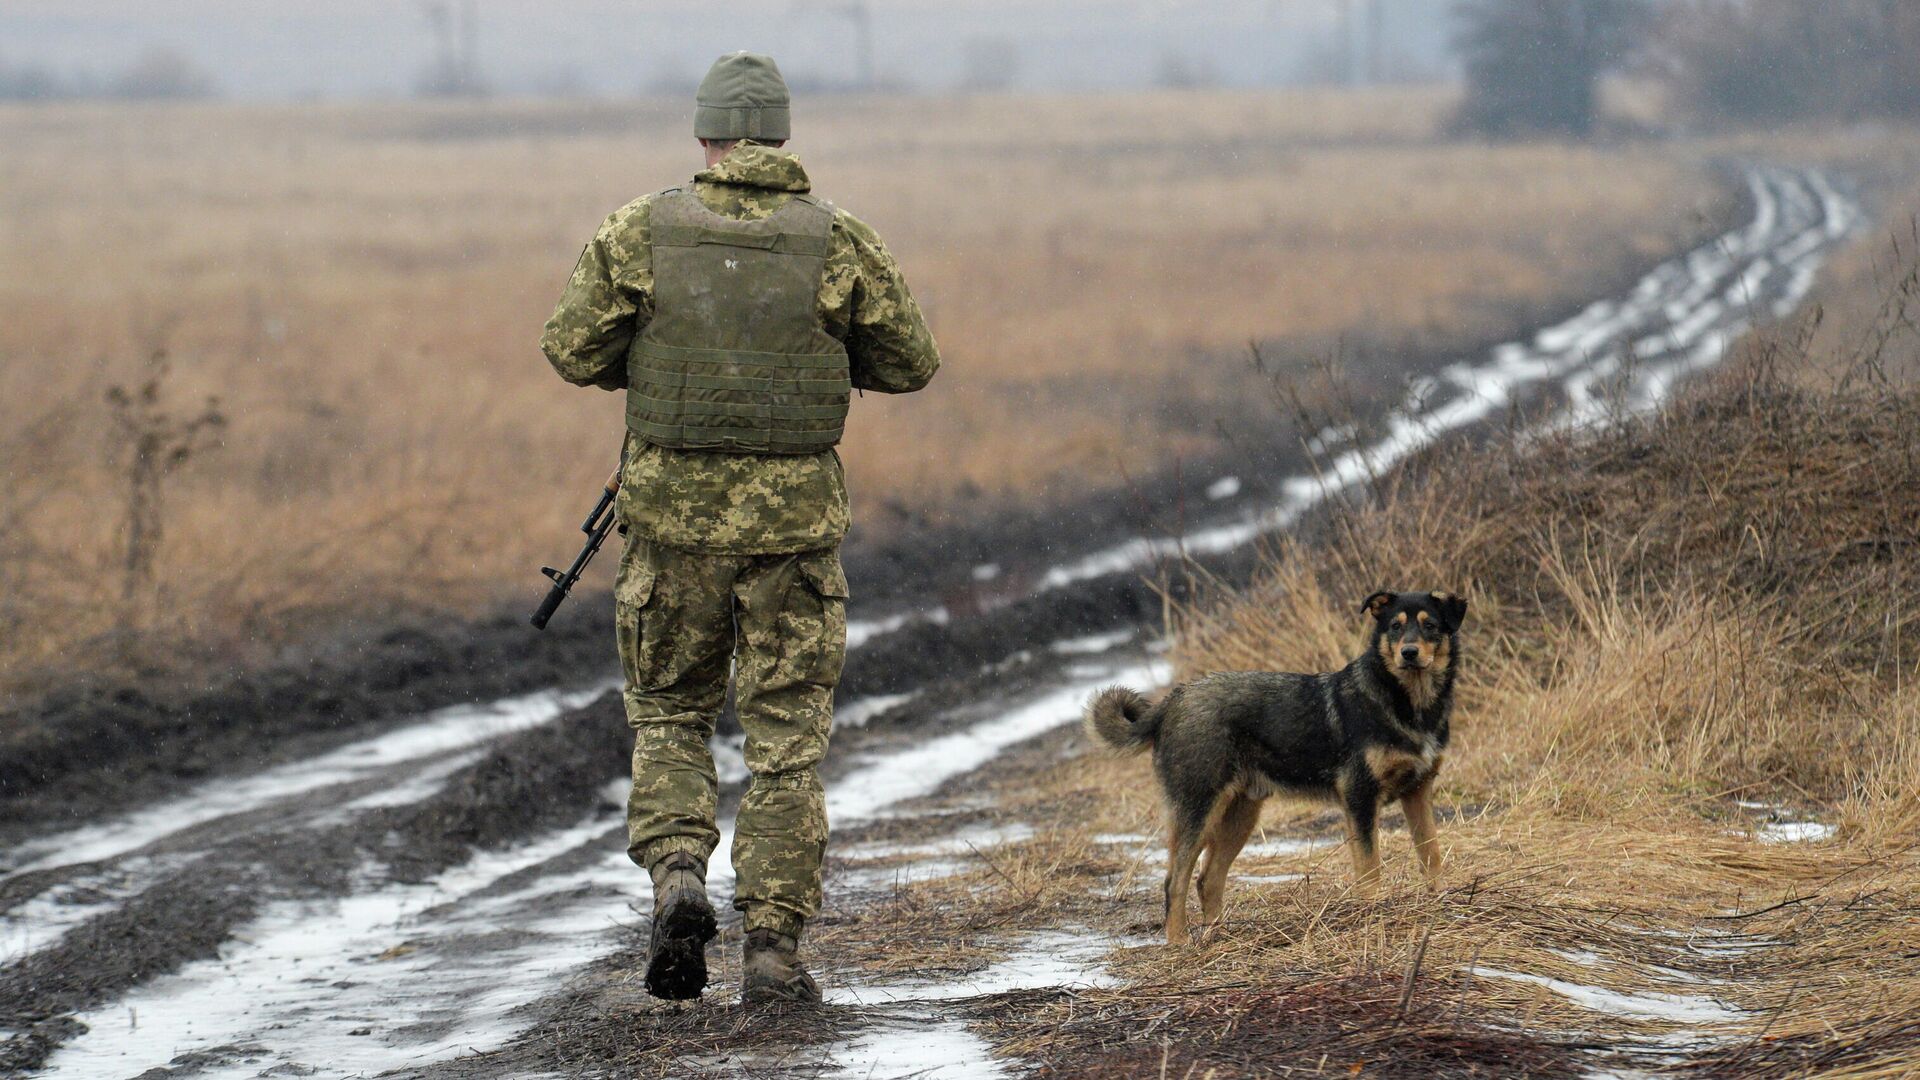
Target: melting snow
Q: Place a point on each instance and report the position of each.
(1044, 960)
(443, 731)
(1224, 488)
(965, 841)
(1093, 643)
(920, 768)
(856, 713)
(927, 1050)
(306, 976)
(1793, 832)
(1673, 1008)
(925, 1045)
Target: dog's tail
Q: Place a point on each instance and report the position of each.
(1123, 720)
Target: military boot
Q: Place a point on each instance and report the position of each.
(683, 923)
(771, 971)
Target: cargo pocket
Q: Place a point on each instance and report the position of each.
(822, 571)
(818, 624)
(633, 584)
(632, 588)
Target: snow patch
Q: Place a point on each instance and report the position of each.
(1224, 488)
(1795, 832)
(858, 712)
(305, 976)
(1092, 643)
(443, 731)
(920, 768)
(962, 842)
(1672, 1008)
(1057, 959)
(929, 1049)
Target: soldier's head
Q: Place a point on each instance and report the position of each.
(742, 97)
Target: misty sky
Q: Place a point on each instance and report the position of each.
(363, 48)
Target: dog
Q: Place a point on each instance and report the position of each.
(1374, 731)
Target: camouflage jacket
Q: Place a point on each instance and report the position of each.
(738, 504)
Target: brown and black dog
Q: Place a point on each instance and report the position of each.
(1372, 732)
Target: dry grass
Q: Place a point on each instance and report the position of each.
(362, 287)
(1702, 610)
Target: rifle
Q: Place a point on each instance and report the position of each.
(598, 524)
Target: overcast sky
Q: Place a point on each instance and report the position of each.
(370, 48)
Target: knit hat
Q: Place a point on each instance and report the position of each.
(742, 97)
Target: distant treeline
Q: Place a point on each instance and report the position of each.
(157, 74)
(1533, 66)
(1751, 60)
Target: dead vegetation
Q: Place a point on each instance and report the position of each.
(363, 287)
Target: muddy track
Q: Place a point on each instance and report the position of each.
(377, 894)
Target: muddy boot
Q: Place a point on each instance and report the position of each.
(683, 923)
(771, 971)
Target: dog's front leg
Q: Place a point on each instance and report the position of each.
(1363, 810)
(1418, 805)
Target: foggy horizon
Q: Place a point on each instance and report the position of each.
(360, 49)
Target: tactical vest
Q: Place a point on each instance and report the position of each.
(735, 357)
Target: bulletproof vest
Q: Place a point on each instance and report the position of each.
(735, 357)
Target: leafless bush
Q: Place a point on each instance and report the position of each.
(155, 443)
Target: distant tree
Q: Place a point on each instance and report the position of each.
(1176, 70)
(26, 82)
(454, 70)
(161, 74)
(1534, 66)
(1759, 60)
(990, 62)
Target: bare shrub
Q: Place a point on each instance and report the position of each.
(155, 444)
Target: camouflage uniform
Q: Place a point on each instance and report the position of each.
(734, 558)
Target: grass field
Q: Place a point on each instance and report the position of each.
(361, 287)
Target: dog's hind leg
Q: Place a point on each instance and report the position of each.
(1418, 805)
(1183, 850)
(1234, 824)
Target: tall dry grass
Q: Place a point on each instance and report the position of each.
(362, 287)
(1717, 599)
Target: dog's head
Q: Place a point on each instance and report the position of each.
(1414, 632)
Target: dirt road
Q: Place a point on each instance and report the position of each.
(423, 898)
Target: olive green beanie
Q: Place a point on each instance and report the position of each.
(742, 97)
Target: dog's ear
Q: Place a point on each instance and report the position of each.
(1378, 602)
(1453, 609)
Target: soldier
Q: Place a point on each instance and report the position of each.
(738, 313)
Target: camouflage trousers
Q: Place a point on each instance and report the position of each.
(779, 622)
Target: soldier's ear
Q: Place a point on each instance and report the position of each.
(1453, 610)
(1378, 602)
